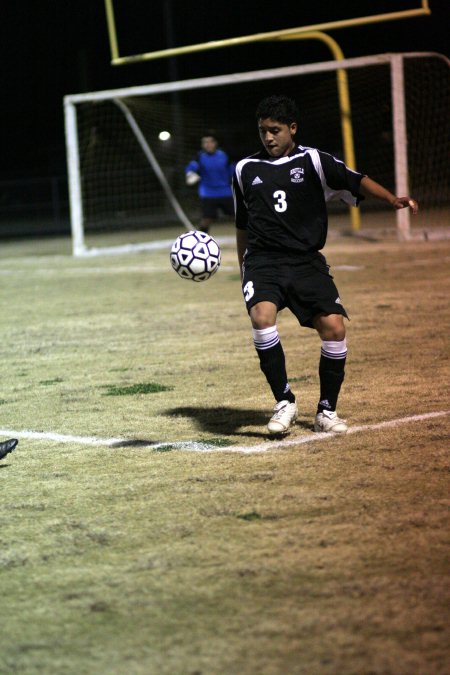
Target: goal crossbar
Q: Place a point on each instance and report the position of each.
(71, 102)
(220, 80)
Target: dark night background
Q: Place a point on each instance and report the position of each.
(57, 47)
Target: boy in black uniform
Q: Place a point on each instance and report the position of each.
(281, 219)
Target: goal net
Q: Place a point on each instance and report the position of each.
(124, 177)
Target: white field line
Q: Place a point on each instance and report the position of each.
(60, 438)
(310, 438)
(195, 446)
(145, 246)
(149, 268)
(81, 271)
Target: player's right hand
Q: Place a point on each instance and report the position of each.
(192, 178)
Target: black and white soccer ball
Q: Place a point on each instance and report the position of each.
(195, 255)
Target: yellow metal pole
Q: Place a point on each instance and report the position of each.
(245, 39)
(305, 32)
(111, 30)
(344, 107)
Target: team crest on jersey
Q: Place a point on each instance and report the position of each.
(297, 175)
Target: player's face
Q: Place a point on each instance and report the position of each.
(277, 138)
(209, 144)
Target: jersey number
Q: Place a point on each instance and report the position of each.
(281, 203)
(248, 290)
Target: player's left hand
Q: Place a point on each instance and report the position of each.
(404, 202)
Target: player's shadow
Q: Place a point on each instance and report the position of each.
(223, 420)
(135, 443)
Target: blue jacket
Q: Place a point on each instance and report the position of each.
(215, 171)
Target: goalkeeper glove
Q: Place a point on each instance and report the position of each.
(192, 178)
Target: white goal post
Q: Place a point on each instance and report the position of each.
(121, 176)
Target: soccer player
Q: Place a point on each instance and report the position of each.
(281, 219)
(7, 447)
(213, 170)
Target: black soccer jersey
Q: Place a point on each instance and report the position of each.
(281, 202)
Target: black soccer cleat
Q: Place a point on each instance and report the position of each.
(7, 447)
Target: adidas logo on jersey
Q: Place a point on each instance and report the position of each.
(257, 181)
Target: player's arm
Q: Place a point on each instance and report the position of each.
(339, 177)
(370, 188)
(241, 219)
(241, 245)
(192, 173)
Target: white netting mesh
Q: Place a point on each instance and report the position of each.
(120, 189)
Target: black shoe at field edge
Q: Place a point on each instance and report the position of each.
(7, 447)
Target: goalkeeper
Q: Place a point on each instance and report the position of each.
(212, 170)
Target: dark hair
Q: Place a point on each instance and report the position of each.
(279, 108)
(210, 133)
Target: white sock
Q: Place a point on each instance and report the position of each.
(265, 338)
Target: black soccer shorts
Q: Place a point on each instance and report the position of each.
(306, 287)
(212, 205)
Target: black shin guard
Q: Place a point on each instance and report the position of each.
(331, 374)
(273, 365)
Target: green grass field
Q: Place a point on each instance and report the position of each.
(148, 525)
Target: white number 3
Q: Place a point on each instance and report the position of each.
(281, 204)
(248, 290)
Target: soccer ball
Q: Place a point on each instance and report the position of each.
(195, 255)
